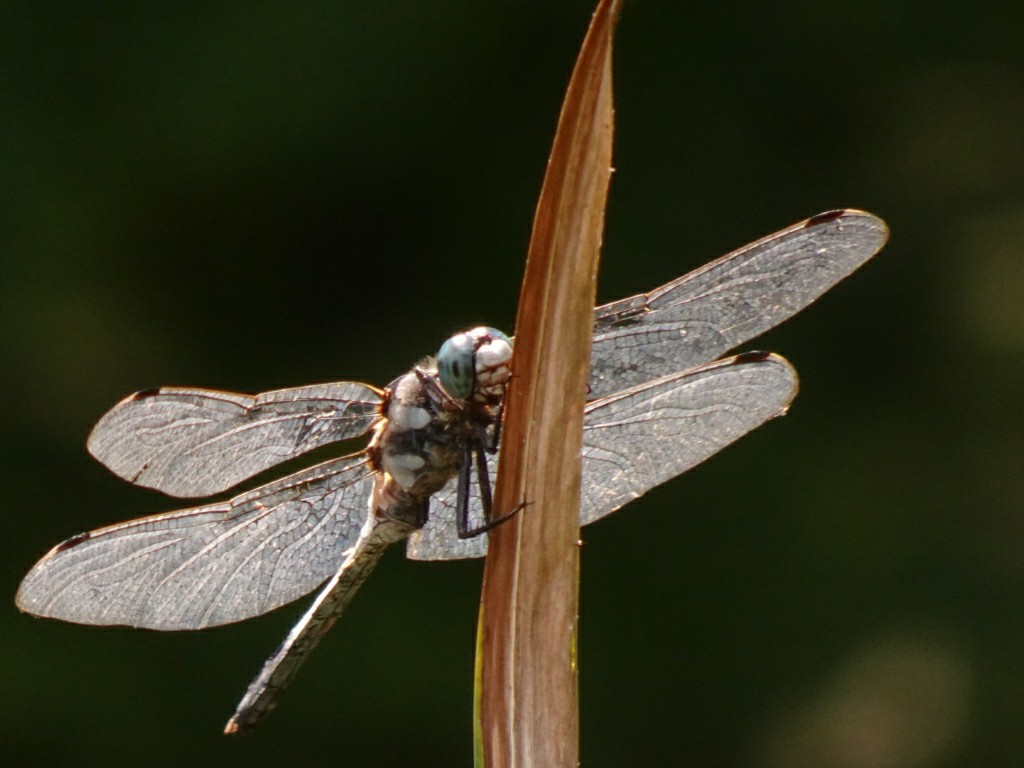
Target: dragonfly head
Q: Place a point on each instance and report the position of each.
(475, 364)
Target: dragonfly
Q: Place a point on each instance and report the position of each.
(661, 400)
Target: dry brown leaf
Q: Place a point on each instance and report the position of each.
(527, 681)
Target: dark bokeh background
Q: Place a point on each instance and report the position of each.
(257, 195)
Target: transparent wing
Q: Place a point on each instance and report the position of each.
(701, 316)
(438, 539)
(642, 437)
(207, 565)
(197, 442)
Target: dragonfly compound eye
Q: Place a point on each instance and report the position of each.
(455, 366)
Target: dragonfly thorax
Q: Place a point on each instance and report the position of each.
(430, 416)
(417, 442)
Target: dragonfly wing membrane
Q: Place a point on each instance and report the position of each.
(439, 538)
(196, 442)
(704, 314)
(208, 565)
(647, 435)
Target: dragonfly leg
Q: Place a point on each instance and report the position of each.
(462, 493)
(479, 458)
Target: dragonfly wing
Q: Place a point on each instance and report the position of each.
(208, 565)
(640, 438)
(702, 315)
(439, 538)
(197, 442)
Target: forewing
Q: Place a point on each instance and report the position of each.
(640, 438)
(197, 442)
(702, 315)
(207, 565)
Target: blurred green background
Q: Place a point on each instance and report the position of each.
(257, 195)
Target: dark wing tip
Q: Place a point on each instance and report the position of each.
(869, 220)
(74, 541)
(826, 216)
(142, 394)
(753, 357)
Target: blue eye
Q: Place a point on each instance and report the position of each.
(455, 366)
(475, 360)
